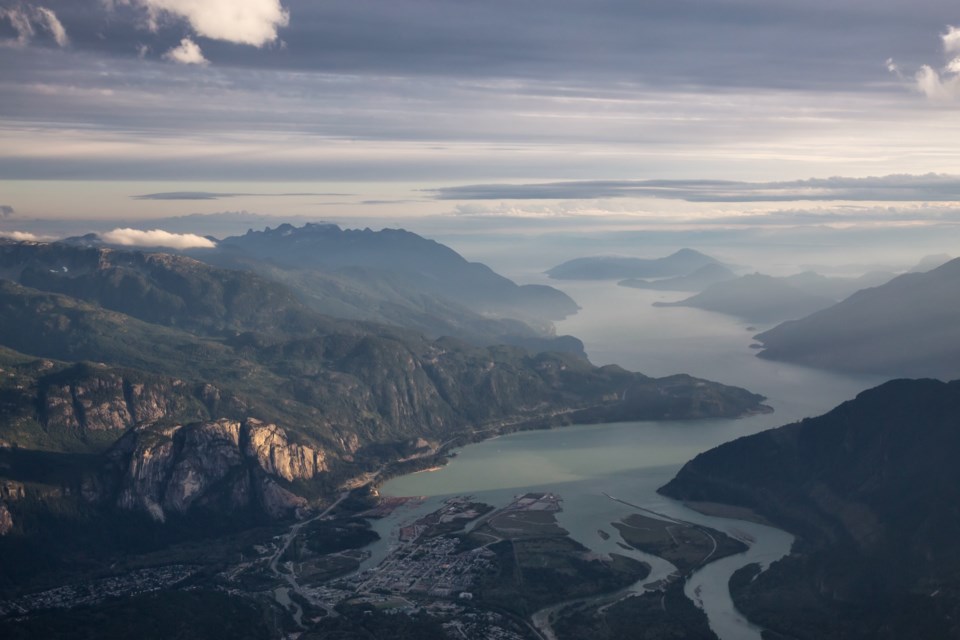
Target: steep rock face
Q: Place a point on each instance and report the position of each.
(221, 465)
(268, 445)
(9, 492)
(107, 402)
(6, 520)
(46, 403)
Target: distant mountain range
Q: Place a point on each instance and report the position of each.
(427, 287)
(766, 299)
(681, 263)
(756, 298)
(909, 326)
(174, 388)
(407, 259)
(696, 281)
(871, 489)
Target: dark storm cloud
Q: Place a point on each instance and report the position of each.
(894, 188)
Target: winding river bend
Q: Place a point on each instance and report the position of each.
(586, 464)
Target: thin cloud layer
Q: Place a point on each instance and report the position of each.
(23, 236)
(215, 195)
(26, 21)
(893, 188)
(155, 238)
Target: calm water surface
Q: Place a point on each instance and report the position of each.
(631, 460)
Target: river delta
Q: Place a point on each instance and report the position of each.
(606, 473)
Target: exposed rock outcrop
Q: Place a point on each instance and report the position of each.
(9, 492)
(268, 445)
(108, 401)
(6, 520)
(219, 465)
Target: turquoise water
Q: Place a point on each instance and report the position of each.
(631, 460)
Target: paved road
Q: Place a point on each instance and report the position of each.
(291, 578)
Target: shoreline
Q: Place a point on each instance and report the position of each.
(546, 422)
(730, 511)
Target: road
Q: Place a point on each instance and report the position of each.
(291, 578)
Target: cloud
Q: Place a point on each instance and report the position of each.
(156, 238)
(951, 40)
(49, 19)
(187, 53)
(6, 211)
(25, 21)
(892, 188)
(24, 236)
(251, 22)
(939, 85)
(214, 195)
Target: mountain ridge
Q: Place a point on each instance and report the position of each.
(909, 326)
(869, 488)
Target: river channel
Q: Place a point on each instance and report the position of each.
(586, 464)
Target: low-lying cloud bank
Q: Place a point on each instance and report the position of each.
(892, 188)
(156, 238)
(24, 236)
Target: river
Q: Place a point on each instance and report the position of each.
(630, 460)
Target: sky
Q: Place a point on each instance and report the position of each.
(759, 113)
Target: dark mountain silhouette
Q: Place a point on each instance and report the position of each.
(871, 490)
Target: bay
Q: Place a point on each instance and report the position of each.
(586, 464)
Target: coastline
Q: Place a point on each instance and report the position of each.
(440, 457)
(733, 512)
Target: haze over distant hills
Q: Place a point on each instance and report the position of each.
(756, 298)
(871, 490)
(761, 298)
(189, 387)
(395, 277)
(909, 326)
(680, 263)
(420, 264)
(697, 280)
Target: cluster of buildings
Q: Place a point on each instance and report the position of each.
(128, 584)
